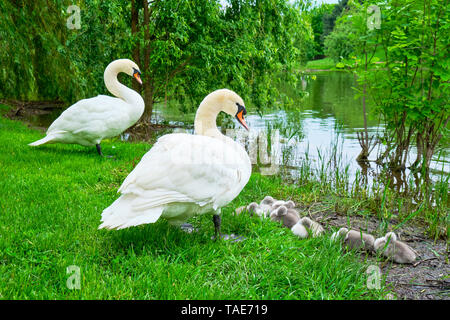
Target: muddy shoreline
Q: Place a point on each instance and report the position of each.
(427, 279)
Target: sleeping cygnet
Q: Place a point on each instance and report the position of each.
(266, 206)
(313, 226)
(289, 204)
(277, 204)
(299, 230)
(394, 249)
(289, 217)
(252, 208)
(355, 239)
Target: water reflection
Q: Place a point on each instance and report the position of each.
(320, 127)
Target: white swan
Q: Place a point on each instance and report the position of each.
(183, 174)
(89, 121)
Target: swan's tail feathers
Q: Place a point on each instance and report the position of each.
(47, 139)
(123, 213)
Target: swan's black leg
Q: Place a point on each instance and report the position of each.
(217, 222)
(99, 149)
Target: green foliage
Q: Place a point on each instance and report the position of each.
(185, 48)
(411, 88)
(31, 38)
(45, 60)
(340, 44)
(103, 37)
(243, 46)
(317, 16)
(330, 18)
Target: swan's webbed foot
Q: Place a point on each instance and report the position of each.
(189, 228)
(232, 237)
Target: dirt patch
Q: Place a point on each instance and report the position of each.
(150, 132)
(428, 278)
(35, 114)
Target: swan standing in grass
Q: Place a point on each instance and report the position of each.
(89, 121)
(183, 174)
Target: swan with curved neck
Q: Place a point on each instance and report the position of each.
(89, 121)
(220, 100)
(186, 174)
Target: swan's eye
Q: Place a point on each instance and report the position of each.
(136, 71)
(240, 115)
(241, 107)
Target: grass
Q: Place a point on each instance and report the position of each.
(321, 64)
(51, 201)
(328, 63)
(327, 181)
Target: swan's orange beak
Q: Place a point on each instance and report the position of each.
(240, 118)
(137, 76)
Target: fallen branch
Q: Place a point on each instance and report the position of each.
(419, 262)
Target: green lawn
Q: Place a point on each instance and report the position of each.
(50, 206)
(321, 64)
(328, 63)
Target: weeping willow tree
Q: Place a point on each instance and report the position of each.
(185, 48)
(31, 37)
(44, 59)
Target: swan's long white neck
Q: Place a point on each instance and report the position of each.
(119, 90)
(205, 120)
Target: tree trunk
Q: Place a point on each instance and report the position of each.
(147, 81)
(148, 98)
(137, 48)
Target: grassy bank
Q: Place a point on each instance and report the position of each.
(329, 64)
(320, 64)
(51, 201)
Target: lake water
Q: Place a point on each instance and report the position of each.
(326, 119)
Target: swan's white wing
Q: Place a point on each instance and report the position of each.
(93, 118)
(188, 168)
(180, 176)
